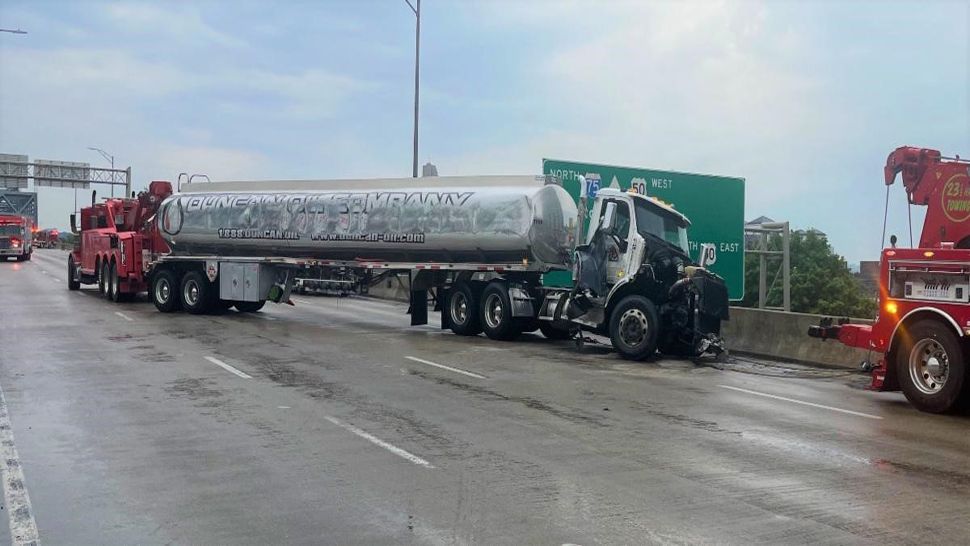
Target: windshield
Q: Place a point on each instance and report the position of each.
(7, 230)
(655, 221)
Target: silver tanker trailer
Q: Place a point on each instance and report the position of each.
(482, 244)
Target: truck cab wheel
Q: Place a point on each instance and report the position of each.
(633, 328)
(73, 276)
(496, 313)
(931, 369)
(196, 293)
(165, 293)
(249, 306)
(462, 309)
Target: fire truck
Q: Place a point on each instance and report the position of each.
(922, 332)
(15, 237)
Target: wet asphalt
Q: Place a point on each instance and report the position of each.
(330, 423)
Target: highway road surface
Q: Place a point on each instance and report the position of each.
(333, 422)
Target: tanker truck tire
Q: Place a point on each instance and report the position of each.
(249, 306)
(463, 310)
(164, 292)
(931, 367)
(633, 328)
(197, 293)
(72, 274)
(496, 313)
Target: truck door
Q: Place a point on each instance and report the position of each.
(618, 247)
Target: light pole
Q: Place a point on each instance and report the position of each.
(107, 157)
(416, 8)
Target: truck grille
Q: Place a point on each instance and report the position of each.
(4, 243)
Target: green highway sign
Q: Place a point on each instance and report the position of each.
(714, 205)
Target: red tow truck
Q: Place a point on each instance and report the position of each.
(16, 237)
(922, 332)
(46, 238)
(114, 243)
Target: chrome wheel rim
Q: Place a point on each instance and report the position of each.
(494, 312)
(633, 327)
(191, 293)
(163, 291)
(929, 366)
(459, 308)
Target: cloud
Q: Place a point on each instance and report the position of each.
(178, 22)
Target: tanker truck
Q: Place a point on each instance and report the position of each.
(480, 246)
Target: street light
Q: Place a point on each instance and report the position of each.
(13, 31)
(107, 157)
(417, 66)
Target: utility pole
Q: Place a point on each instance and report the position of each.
(417, 73)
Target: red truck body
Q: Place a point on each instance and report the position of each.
(46, 238)
(115, 240)
(922, 332)
(16, 237)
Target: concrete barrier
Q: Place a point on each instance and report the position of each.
(783, 335)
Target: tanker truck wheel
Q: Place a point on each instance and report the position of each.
(496, 313)
(197, 293)
(463, 310)
(249, 306)
(633, 328)
(164, 292)
(931, 368)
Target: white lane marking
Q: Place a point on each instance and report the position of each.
(228, 368)
(443, 367)
(377, 441)
(23, 528)
(44, 271)
(124, 316)
(804, 403)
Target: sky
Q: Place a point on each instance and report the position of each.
(804, 100)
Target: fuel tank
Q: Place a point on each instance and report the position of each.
(469, 219)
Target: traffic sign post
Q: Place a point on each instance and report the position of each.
(714, 204)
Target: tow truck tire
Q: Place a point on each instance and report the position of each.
(72, 274)
(197, 293)
(249, 306)
(114, 283)
(106, 279)
(495, 311)
(633, 328)
(100, 271)
(164, 292)
(551, 332)
(462, 309)
(931, 367)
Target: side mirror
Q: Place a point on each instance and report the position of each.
(73, 223)
(608, 221)
(892, 241)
